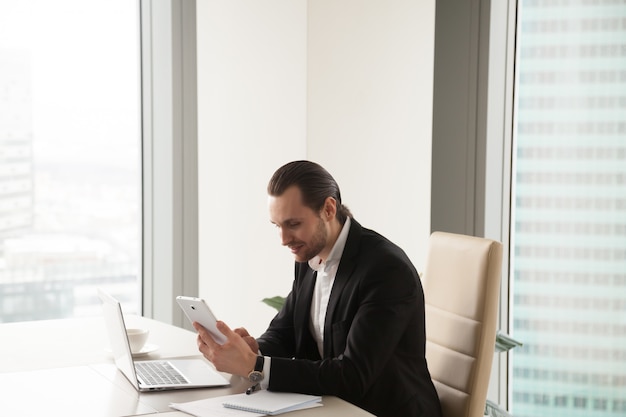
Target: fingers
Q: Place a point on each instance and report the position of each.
(251, 341)
(207, 345)
(204, 337)
(224, 329)
(234, 356)
(241, 332)
(207, 338)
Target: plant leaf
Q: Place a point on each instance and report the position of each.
(505, 342)
(275, 302)
(494, 410)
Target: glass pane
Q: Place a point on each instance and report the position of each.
(569, 210)
(69, 157)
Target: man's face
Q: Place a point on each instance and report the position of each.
(300, 228)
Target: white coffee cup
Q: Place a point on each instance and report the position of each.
(137, 338)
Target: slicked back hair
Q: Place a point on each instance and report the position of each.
(315, 184)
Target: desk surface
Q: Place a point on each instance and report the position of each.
(64, 368)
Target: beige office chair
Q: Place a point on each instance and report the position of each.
(461, 288)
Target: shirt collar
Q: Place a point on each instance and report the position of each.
(334, 256)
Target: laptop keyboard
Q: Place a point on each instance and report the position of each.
(158, 373)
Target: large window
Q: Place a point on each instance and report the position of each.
(70, 161)
(568, 264)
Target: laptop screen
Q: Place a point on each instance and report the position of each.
(114, 321)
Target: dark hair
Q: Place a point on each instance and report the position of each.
(314, 182)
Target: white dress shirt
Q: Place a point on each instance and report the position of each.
(326, 272)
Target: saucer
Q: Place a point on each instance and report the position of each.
(146, 349)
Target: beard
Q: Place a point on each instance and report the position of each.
(316, 244)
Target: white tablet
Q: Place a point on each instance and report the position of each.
(196, 309)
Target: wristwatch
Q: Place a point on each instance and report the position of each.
(256, 375)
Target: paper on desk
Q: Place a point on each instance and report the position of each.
(244, 405)
(210, 407)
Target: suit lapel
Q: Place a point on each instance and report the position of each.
(302, 316)
(346, 267)
(303, 308)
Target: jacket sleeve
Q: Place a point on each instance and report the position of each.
(287, 335)
(279, 339)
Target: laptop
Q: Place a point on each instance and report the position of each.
(167, 374)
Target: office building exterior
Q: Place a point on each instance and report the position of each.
(16, 164)
(569, 210)
(64, 230)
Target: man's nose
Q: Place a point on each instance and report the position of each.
(285, 237)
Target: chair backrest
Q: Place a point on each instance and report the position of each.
(461, 289)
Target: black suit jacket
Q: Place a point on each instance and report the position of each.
(374, 336)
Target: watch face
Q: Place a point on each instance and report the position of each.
(255, 376)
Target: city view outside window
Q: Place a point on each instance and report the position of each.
(568, 264)
(70, 162)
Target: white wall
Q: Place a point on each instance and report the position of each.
(345, 83)
(370, 111)
(251, 119)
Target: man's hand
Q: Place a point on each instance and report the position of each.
(235, 356)
(251, 341)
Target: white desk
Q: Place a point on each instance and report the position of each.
(63, 368)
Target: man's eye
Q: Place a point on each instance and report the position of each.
(293, 225)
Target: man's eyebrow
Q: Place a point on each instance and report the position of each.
(287, 221)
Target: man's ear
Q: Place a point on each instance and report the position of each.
(329, 211)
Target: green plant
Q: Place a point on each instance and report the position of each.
(275, 302)
(504, 342)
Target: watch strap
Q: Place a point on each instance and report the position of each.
(260, 361)
(256, 375)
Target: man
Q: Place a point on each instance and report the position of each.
(353, 324)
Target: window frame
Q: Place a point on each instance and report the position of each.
(472, 158)
(169, 157)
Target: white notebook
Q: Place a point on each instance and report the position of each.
(271, 403)
(260, 403)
